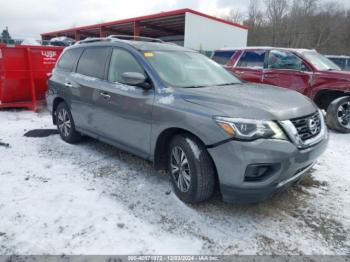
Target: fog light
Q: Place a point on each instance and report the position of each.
(259, 172)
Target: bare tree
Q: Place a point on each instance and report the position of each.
(311, 24)
(299, 20)
(255, 15)
(236, 16)
(255, 22)
(276, 11)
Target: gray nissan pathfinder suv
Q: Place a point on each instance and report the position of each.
(188, 115)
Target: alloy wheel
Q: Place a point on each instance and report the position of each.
(180, 169)
(343, 114)
(64, 122)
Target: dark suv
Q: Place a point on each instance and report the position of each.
(302, 70)
(188, 115)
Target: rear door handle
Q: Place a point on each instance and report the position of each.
(270, 76)
(68, 85)
(105, 95)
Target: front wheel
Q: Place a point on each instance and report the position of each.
(65, 124)
(338, 115)
(191, 169)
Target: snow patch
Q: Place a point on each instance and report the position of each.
(84, 77)
(120, 86)
(167, 90)
(124, 87)
(92, 198)
(166, 100)
(51, 204)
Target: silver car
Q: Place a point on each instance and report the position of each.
(188, 115)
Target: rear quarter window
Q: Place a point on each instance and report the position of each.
(93, 62)
(341, 62)
(69, 58)
(348, 65)
(222, 57)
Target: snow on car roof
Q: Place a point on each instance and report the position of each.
(338, 56)
(298, 50)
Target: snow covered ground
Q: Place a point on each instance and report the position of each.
(91, 198)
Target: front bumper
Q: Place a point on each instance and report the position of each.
(233, 158)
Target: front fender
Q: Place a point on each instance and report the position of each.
(189, 117)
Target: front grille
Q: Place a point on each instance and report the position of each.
(309, 126)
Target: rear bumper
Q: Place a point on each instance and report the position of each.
(290, 166)
(49, 101)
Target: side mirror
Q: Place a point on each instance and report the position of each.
(133, 78)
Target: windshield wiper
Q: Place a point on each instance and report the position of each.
(228, 84)
(199, 86)
(202, 86)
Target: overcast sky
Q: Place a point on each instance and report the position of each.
(29, 18)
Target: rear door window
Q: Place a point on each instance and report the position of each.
(252, 59)
(279, 59)
(93, 62)
(223, 57)
(122, 61)
(69, 59)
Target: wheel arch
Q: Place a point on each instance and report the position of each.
(161, 148)
(324, 97)
(55, 104)
(162, 143)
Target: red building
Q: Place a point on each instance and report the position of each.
(184, 26)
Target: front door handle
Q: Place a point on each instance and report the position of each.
(68, 85)
(105, 95)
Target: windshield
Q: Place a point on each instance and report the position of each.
(319, 61)
(189, 69)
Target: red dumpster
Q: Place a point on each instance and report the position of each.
(24, 71)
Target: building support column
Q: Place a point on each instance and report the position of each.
(103, 31)
(137, 29)
(77, 35)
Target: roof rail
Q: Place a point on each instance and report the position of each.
(92, 40)
(119, 37)
(135, 38)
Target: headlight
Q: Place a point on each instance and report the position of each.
(250, 129)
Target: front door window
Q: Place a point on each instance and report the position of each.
(279, 59)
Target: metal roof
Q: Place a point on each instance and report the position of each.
(156, 25)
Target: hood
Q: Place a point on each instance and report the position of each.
(340, 75)
(252, 101)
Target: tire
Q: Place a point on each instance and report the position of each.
(199, 170)
(65, 124)
(338, 115)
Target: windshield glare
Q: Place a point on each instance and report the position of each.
(189, 69)
(319, 61)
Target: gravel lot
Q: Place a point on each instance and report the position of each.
(91, 198)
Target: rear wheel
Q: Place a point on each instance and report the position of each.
(338, 115)
(191, 169)
(65, 124)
